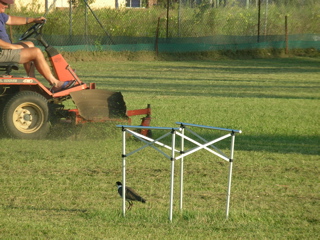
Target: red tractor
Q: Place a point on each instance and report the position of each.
(28, 109)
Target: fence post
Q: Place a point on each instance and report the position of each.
(259, 13)
(286, 34)
(156, 45)
(70, 18)
(167, 28)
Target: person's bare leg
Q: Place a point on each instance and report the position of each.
(29, 66)
(30, 69)
(34, 54)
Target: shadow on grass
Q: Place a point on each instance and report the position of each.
(241, 79)
(276, 143)
(279, 144)
(269, 143)
(223, 87)
(46, 209)
(83, 131)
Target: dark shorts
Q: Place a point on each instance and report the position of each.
(10, 55)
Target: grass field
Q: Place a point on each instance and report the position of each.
(63, 187)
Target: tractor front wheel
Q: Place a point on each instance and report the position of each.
(26, 116)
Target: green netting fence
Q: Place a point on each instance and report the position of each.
(192, 44)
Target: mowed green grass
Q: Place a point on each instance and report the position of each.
(63, 187)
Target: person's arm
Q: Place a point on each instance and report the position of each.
(6, 45)
(14, 20)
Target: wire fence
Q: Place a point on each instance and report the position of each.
(192, 21)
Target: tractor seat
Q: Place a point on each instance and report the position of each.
(7, 67)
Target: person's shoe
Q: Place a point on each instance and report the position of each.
(65, 85)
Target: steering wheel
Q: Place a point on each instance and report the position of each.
(35, 29)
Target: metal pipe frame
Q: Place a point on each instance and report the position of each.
(180, 132)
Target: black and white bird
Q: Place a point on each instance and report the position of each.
(131, 195)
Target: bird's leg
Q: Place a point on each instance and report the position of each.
(130, 205)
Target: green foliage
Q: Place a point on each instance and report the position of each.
(80, 3)
(184, 21)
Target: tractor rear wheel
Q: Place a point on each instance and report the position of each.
(26, 116)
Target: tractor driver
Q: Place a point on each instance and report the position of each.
(26, 52)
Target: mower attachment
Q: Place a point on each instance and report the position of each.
(99, 105)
